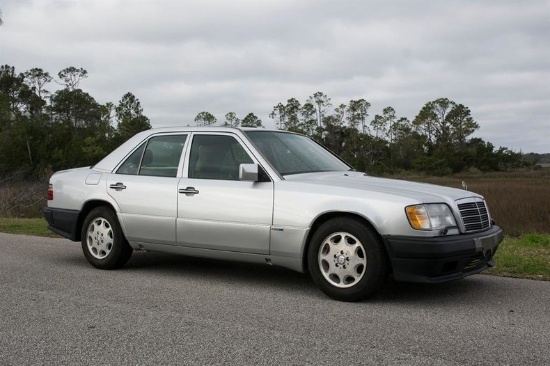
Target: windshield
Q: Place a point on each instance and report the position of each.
(294, 154)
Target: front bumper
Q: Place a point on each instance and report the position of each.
(63, 222)
(442, 259)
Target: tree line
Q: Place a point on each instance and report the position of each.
(43, 131)
(437, 141)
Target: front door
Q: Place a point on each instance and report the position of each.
(215, 209)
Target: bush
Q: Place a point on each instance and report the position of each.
(20, 197)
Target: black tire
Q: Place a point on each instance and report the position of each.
(346, 259)
(103, 241)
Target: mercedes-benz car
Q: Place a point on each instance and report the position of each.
(274, 197)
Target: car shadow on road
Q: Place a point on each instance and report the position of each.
(251, 274)
(290, 281)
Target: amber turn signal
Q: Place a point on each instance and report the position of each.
(418, 217)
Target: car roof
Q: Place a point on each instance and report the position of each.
(177, 128)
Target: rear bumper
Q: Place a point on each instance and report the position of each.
(442, 259)
(63, 222)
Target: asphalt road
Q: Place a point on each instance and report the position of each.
(57, 309)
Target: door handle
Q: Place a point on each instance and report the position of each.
(118, 186)
(188, 191)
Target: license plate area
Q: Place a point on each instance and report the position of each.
(486, 243)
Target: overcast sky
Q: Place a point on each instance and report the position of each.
(183, 57)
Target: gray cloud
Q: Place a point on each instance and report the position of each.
(182, 57)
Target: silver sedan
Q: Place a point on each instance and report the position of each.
(273, 197)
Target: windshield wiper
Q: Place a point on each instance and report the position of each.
(309, 171)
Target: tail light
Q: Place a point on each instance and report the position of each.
(50, 192)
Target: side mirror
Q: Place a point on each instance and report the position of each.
(248, 172)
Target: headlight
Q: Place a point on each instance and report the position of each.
(433, 216)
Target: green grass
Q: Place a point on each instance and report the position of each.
(35, 226)
(527, 256)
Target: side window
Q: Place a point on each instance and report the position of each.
(160, 158)
(216, 157)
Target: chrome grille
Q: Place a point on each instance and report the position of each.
(474, 215)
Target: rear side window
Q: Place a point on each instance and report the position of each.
(159, 158)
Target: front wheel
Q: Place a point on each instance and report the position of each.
(103, 242)
(346, 260)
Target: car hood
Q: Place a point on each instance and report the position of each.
(423, 192)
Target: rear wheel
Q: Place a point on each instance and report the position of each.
(103, 242)
(346, 260)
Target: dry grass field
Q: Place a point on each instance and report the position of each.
(20, 198)
(519, 201)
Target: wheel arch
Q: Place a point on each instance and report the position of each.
(321, 219)
(86, 209)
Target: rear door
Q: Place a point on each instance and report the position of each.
(215, 209)
(145, 186)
